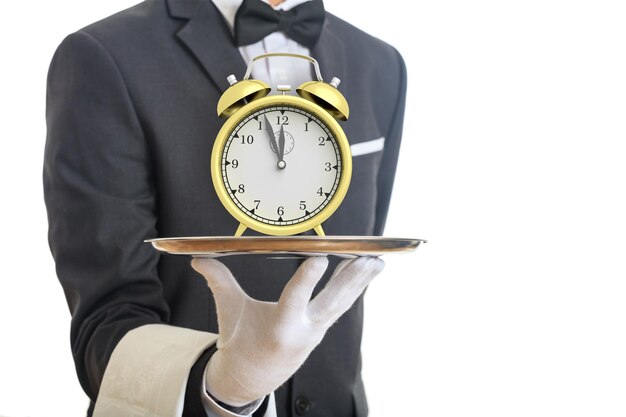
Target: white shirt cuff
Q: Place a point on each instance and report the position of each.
(148, 371)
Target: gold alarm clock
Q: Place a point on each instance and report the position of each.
(281, 164)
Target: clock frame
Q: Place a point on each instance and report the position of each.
(314, 222)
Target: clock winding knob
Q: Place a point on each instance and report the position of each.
(232, 79)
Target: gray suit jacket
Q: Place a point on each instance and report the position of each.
(131, 121)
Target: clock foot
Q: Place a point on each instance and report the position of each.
(318, 229)
(242, 228)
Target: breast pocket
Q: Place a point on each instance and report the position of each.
(366, 156)
(357, 213)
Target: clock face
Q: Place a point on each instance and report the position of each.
(281, 165)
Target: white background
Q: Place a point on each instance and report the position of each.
(513, 167)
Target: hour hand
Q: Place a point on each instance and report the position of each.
(270, 133)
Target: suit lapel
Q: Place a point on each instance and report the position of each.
(329, 51)
(208, 38)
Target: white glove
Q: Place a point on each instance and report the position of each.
(261, 344)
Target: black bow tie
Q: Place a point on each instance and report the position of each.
(255, 20)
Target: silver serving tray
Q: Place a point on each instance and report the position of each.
(346, 246)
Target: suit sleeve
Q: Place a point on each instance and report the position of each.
(100, 197)
(387, 171)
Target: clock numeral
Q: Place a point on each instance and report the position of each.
(322, 141)
(280, 211)
(234, 163)
(321, 192)
(241, 189)
(328, 166)
(285, 120)
(257, 202)
(247, 139)
(302, 205)
(260, 126)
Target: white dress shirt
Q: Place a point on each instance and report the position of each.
(274, 71)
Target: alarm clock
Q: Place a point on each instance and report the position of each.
(281, 164)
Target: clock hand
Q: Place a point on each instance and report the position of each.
(281, 144)
(270, 133)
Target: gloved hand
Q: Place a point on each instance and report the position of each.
(261, 344)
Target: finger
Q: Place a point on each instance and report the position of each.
(343, 289)
(346, 275)
(217, 275)
(298, 290)
(341, 265)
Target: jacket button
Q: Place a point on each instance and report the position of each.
(303, 405)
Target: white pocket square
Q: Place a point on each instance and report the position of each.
(369, 146)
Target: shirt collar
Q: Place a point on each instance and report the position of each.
(228, 8)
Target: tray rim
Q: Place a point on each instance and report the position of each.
(403, 245)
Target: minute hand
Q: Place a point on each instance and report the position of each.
(281, 144)
(270, 133)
